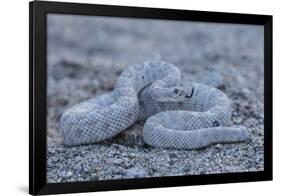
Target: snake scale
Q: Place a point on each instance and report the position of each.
(182, 116)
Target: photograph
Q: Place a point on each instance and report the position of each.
(135, 98)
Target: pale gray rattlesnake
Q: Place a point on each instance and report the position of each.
(183, 116)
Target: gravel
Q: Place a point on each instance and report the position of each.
(86, 55)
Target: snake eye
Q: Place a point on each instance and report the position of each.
(142, 77)
(216, 123)
(176, 90)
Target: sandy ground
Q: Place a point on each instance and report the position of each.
(86, 55)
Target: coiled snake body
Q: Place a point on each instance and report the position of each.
(183, 116)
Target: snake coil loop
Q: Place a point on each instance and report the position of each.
(152, 91)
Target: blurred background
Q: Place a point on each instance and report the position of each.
(86, 54)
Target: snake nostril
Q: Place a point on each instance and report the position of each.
(142, 77)
(216, 123)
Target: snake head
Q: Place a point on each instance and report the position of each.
(174, 94)
(181, 93)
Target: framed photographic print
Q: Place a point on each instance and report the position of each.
(131, 97)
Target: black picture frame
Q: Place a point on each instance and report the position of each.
(37, 96)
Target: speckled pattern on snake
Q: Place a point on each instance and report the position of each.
(178, 115)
